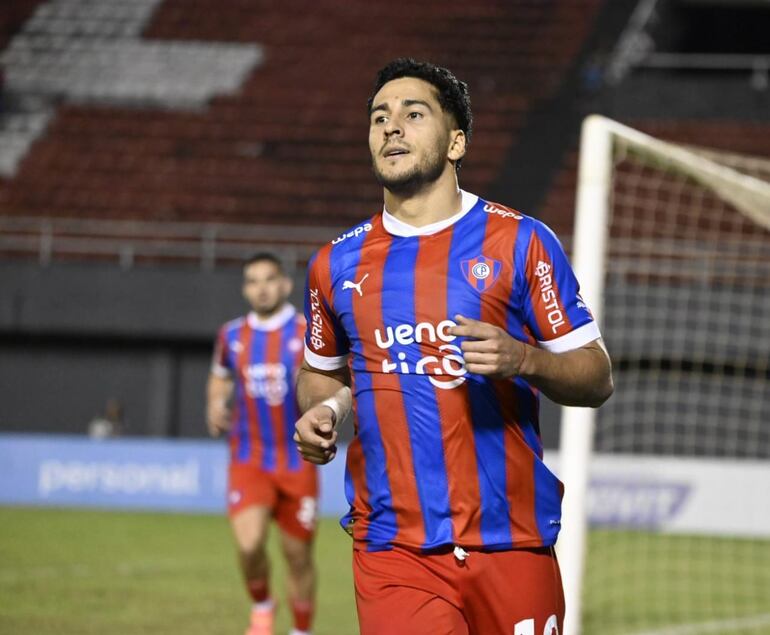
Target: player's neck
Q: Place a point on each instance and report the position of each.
(435, 202)
(265, 316)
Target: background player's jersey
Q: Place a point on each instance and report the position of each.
(442, 456)
(262, 357)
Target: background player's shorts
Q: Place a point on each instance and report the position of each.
(292, 495)
(500, 593)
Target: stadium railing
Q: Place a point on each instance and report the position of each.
(128, 243)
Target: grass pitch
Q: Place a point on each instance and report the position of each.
(649, 583)
(78, 572)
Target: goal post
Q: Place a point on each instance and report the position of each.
(672, 249)
(577, 424)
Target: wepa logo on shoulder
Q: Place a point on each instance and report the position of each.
(505, 213)
(354, 233)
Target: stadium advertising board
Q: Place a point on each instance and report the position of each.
(157, 474)
(677, 494)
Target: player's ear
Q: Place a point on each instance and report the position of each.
(456, 149)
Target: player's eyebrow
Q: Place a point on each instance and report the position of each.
(405, 102)
(382, 107)
(416, 102)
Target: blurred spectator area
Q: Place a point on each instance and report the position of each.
(287, 144)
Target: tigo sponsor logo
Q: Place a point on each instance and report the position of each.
(445, 370)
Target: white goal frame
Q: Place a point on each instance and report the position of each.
(599, 138)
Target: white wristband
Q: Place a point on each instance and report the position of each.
(340, 403)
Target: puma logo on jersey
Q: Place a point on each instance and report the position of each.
(355, 285)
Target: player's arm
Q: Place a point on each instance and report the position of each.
(325, 399)
(219, 391)
(580, 377)
(323, 392)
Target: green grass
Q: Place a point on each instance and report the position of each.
(77, 572)
(639, 581)
(73, 572)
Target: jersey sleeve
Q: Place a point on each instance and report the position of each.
(326, 344)
(221, 365)
(553, 308)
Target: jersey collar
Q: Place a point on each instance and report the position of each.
(274, 321)
(397, 227)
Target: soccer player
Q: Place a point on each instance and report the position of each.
(251, 397)
(448, 315)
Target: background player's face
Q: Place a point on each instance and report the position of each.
(265, 288)
(409, 135)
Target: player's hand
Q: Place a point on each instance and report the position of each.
(218, 419)
(315, 435)
(489, 350)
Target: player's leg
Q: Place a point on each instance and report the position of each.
(295, 514)
(251, 500)
(250, 528)
(517, 592)
(300, 580)
(406, 593)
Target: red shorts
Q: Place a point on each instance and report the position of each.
(291, 495)
(515, 592)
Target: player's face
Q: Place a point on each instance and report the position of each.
(265, 288)
(411, 139)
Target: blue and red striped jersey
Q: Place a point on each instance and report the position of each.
(442, 456)
(262, 357)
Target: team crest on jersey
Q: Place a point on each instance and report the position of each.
(481, 272)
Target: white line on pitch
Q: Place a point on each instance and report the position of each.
(717, 626)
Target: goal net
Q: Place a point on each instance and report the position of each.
(666, 527)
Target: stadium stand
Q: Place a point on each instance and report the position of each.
(286, 145)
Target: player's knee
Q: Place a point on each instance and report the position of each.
(299, 561)
(254, 549)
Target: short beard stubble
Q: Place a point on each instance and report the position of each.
(410, 182)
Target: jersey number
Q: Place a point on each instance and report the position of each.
(527, 627)
(306, 513)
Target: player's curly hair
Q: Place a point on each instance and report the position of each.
(453, 93)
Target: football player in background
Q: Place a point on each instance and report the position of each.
(251, 398)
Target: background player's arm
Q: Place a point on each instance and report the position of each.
(580, 377)
(218, 393)
(316, 433)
